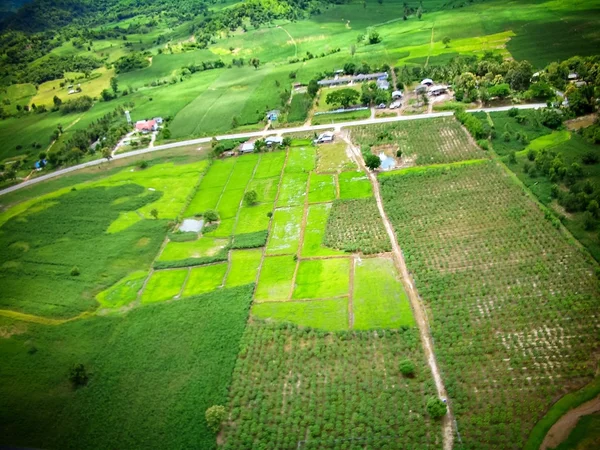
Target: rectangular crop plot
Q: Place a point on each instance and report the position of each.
(354, 185)
(333, 158)
(330, 315)
(422, 142)
(225, 229)
(301, 159)
(204, 279)
(293, 189)
(265, 188)
(242, 172)
(514, 305)
(218, 173)
(356, 226)
(124, 291)
(322, 278)
(244, 267)
(205, 199)
(253, 218)
(275, 279)
(314, 232)
(270, 165)
(230, 203)
(203, 247)
(321, 188)
(379, 300)
(285, 232)
(163, 285)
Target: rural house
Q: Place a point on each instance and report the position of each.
(396, 95)
(247, 147)
(145, 126)
(274, 140)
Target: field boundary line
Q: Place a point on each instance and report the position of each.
(418, 309)
(42, 320)
(183, 285)
(306, 300)
(225, 186)
(351, 293)
(301, 237)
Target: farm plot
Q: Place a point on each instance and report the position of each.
(212, 185)
(321, 188)
(356, 226)
(285, 231)
(322, 278)
(265, 188)
(330, 314)
(163, 285)
(270, 165)
(253, 218)
(196, 252)
(292, 189)
(354, 185)
(243, 267)
(124, 291)
(275, 279)
(314, 232)
(422, 142)
(295, 388)
(379, 300)
(334, 158)
(204, 279)
(513, 303)
(301, 159)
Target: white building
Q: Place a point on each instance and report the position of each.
(247, 147)
(324, 138)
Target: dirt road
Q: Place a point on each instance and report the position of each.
(415, 301)
(561, 429)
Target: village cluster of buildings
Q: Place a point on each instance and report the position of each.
(427, 86)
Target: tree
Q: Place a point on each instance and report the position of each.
(114, 84)
(372, 162)
(593, 207)
(75, 271)
(446, 41)
(211, 216)
(234, 122)
(214, 416)
(512, 157)
(407, 368)
(436, 408)
(78, 376)
(352, 50)
(255, 62)
(57, 101)
(42, 156)
(106, 95)
(373, 36)
(519, 77)
(154, 213)
(313, 88)
(107, 153)
(589, 221)
(344, 97)
(251, 198)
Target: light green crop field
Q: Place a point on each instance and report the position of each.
(270, 165)
(322, 188)
(322, 278)
(124, 291)
(16, 94)
(285, 232)
(243, 267)
(205, 246)
(204, 279)
(253, 218)
(265, 188)
(354, 185)
(163, 285)
(314, 232)
(379, 300)
(292, 190)
(225, 229)
(301, 159)
(334, 158)
(329, 314)
(229, 203)
(275, 279)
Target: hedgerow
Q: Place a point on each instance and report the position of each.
(250, 240)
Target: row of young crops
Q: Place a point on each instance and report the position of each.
(428, 141)
(301, 388)
(512, 303)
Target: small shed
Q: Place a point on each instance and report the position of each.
(383, 84)
(573, 76)
(272, 115)
(247, 147)
(438, 89)
(274, 140)
(396, 95)
(324, 138)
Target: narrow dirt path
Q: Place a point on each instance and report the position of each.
(292, 39)
(430, 45)
(561, 429)
(417, 307)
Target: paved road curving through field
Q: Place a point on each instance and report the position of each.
(252, 134)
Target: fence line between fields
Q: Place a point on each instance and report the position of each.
(339, 111)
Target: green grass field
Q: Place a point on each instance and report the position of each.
(243, 267)
(379, 300)
(124, 291)
(275, 279)
(323, 314)
(163, 285)
(354, 185)
(285, 233)
(322, 278)
(204, 279)
(322, 188)
(333, 158)
(314, 232)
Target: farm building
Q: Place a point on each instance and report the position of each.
(354, 79)
(272, 115)
(145, 126)
(573, 76)
(324, 138)
(427, 82)
(247, 147)
(383, 84)
(158, 120)
(396, 95)
(274, 140)
(438, 89)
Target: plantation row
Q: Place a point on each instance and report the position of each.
(512, 304)
(300, 388)
(428, 141)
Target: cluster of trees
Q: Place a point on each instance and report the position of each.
(131, 62)
(54, 68)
